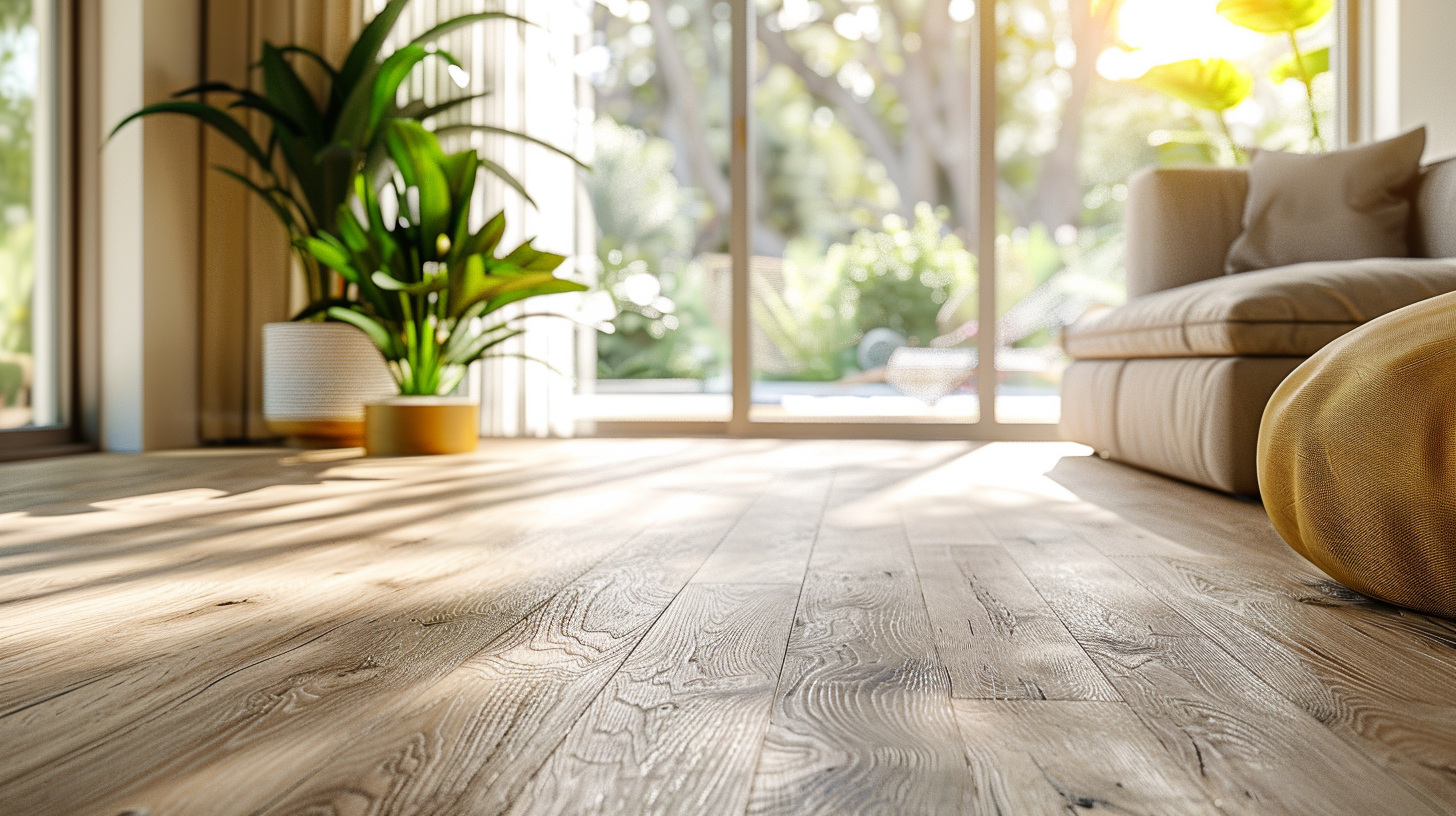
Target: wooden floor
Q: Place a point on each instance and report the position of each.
(691, 627)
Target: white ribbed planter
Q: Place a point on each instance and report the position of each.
(316, 379)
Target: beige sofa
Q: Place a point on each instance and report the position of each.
(1176, 380)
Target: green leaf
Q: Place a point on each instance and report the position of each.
(510, 180)
(1213, 84)
(252, 101)
(215, 118)
(316, 57)
(392, 73)
(1315, 63)
(424, 287)
(318, 307)
(417, 154)
(450, 130)
(286, 91)
(331, 253)
(478, 346)
(484, 241)
(362, 58)
(1274, 16)
(207, 87)
(464, 20)
(509, 294)
(420, 111)
(530, 259)
(376, 331)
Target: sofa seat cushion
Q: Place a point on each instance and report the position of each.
(1289, 311)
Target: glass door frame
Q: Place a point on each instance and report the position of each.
(743, 18)
(62, 115)
(1352, 103)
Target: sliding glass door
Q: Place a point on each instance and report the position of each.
(864, 276)
(934, 190)
(659, 190)
(31, 370)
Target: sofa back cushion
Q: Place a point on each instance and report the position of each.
(1433, 223)
(1180, 222)
(1349, 204)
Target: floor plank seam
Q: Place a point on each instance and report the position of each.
(793, 622)
(1374, 763)
(322, 764)
(645, 629)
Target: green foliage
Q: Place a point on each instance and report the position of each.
(904, 275)
(426, 283)
(1218, 84)
(645, 228)
(1212, 84)
(1274, 16)
(323, 143)
(17, 274)
(810, 320)
(1305, 70)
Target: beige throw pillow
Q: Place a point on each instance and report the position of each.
(1336, 206)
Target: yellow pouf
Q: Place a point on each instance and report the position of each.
(1357, 458)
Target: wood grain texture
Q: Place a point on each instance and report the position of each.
(690, 626)
(862, 720)
(771, 544)
(1070, 757)
(1253, 750)
(996, 636)
(470, 742)
(678, 729)
(1365, 670)
(360, 664)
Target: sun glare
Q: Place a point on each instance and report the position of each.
(1163, 31)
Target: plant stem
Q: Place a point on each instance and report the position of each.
(1308, 81)
(1229, 134)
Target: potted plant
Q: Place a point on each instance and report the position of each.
(426, 287)
(317, 373)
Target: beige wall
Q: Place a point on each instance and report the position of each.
(1411, 68)
(148, 194)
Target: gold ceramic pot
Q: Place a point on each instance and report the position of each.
(316, 379)
(421, 426)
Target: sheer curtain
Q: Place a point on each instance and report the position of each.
(530, 85)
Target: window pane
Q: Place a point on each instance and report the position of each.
(1077, 115)
(660, 193)
(29, 365)
(863, 276)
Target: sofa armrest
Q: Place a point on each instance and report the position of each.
(1181, 222)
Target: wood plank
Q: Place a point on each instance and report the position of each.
(997, 638)
(221, 631)
(772, 542)
(256, 721)
(861, 721)
(1055, 757)
(185, 647)
(1251, 749)
(1382, 678)
(470, 742)
(678, 728)
(327, 556)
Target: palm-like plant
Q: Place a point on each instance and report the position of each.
(1212, 84)
(1287, 17)
(324, 144)
(426, 282)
